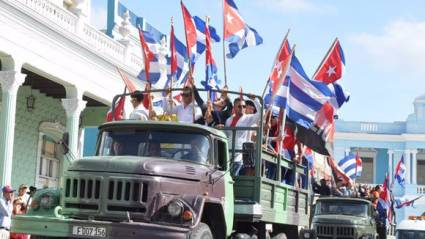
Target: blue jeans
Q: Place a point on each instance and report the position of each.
(236, 168)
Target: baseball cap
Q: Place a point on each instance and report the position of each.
(8, 189)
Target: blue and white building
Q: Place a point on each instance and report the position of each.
(381, 146)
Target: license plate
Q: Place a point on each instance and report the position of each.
(89, 231)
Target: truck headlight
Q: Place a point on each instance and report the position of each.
(307, 235)
(175, 208)
(48, 201)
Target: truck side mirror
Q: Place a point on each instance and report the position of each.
(248, 154)
(65, 142)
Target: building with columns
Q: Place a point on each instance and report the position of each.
(381, 146)
(58, 73)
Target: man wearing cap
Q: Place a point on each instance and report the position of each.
(184, 111)
(6, 209)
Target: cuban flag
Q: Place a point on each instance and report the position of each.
(384, 201)
(308, 154)
(332, 66)
(349, 164)
(400, 203)
(211, 82)
(278, 82)
(400, 172)
(236, 31)
(330, 71)
(340, 95)
(150, 41)
(201, 35)
(190, 33)
(359, 166)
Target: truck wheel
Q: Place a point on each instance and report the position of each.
(280, 236)
(202, 231)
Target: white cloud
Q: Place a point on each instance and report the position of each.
(296, 6)
(400, 47)
(98, 17)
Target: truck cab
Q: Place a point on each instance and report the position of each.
(411, 228)
(337, 217)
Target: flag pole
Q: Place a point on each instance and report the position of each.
(325, 58)
(224, 50)
(282, 127)
(190, 75)
(172, 73)
(274, 62)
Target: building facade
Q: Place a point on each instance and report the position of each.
(381, 146)
(58, 74)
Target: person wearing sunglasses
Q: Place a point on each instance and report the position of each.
(241, 119)
(184, 111)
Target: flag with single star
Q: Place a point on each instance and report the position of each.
(236, 31)
(190, 32)
(148, 55)
(278, 85)
(211, 80)
(332, 65)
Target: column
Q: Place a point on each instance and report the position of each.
(390, 164)
(414, 166)
(10, 82)
(408, 166)
(73, 108)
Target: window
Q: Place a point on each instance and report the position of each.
(193, 146)
(420, 168)
(49, 165)
(367, 171)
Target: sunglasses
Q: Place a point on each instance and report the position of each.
(241, 106)
(186, 95)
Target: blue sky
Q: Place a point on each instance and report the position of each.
(383, 42)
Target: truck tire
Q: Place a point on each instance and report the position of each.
(280, 236)
(202, 231)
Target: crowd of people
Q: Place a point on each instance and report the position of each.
(11, 205)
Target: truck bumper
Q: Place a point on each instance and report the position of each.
(58, 227)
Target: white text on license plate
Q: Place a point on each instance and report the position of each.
(89, 231)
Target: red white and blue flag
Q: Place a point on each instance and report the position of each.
(211, 80)
(236, 31)
(308, 154)
(332, 66)
(384, 201)
(190, 33)
(400, 203)
(278, 82)
(352, 165)
(150, 41)
(400, 172)
(330, 71)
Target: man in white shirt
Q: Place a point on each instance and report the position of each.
(241, 119)
(6, 208)
(139, 112)
(184, 111)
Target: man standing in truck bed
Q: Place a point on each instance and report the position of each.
(241, 119)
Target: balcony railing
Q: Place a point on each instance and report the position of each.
(66, 22)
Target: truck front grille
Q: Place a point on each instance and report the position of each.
(324, 232)
(106, 194)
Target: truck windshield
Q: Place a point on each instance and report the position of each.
(193, 147)
(358, 209)
(410, 234)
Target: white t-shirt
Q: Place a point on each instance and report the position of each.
(243, 136)
(184, 114)
(139, 113)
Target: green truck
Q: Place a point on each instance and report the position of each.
(156, 179)
(339, 217)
